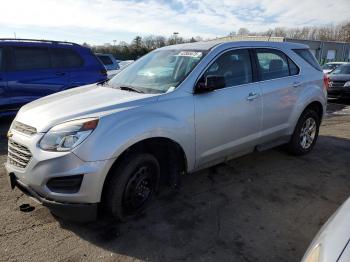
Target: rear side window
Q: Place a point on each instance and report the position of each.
(272, 64)
(65, 58)
(308, 57)
(293, 68)
(31, 58)
(106, 60)
(234, 66)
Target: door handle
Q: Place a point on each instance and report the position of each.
(60, 73)
(296, 84)
(252, 96)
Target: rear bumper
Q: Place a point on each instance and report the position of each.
(83, 212)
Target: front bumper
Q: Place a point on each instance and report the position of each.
(70, 211)
(44, 166)
(343, 92)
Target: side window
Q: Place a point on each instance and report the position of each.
(30, 58)
(234, 66)
(65, 58)
(272, 64)
(308, 57)
(106, 60)
(293, 68)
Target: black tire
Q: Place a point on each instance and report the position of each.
(295, 146)
(132, 186)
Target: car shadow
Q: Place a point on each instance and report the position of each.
(265, 206)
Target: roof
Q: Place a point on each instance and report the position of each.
(207, 45)
(35, 41)
(337, 63)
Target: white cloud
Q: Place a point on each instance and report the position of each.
(207, 18)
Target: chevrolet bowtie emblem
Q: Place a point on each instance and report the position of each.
(9, 134)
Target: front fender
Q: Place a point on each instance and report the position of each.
(117, 132)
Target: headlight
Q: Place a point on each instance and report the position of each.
(66, 136)
(347, 83)
(314, 255)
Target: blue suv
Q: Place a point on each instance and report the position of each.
(30, 69)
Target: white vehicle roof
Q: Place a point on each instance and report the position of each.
(336, 63)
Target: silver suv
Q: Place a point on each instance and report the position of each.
(176, 110)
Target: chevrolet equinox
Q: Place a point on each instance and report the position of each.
(176, 110)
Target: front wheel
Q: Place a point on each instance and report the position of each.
(133, 185)
(305, 133)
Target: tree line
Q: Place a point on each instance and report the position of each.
(142, 45)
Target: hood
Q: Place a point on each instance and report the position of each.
(86, 101)
(340, 77)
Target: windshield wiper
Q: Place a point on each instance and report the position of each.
(130, 88)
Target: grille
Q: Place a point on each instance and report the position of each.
(336, 84)
(18, 155)
(23, 128)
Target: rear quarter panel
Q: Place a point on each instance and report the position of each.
(311, 90)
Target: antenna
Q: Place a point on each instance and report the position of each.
(15, 35)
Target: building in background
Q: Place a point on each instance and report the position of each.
(324, 51)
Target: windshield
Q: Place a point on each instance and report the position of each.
(344, 69)
(158, 72)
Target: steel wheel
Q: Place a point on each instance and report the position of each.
(139, 189)
(308, 133)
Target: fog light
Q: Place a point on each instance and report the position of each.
(66, 184)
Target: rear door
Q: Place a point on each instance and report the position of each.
(280, 84)
(32, 76)
(69, 63)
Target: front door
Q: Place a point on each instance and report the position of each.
(228, 120)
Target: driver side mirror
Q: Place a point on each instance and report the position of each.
(211, 82)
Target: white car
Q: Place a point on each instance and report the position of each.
(125, 63)
(332, 241)
(122, 65)
(329, 67)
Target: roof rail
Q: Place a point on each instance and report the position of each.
(37, 41)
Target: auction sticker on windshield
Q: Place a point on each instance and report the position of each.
(190, 53)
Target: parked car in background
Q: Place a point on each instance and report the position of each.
(332, 243)
(30, 69)
(122, 65)
(176, 110)
(125, 63)
(108, 61)
(329, 67)
(339, 82)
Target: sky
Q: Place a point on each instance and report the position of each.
(102, 21)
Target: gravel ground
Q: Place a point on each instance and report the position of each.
(262, 207)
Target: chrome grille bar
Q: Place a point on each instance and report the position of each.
(18, 155)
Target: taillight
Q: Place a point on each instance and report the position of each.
(325, 81)
(103, 72)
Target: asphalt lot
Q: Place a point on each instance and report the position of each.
(262, 207)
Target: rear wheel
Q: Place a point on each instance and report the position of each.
(133, 185)
(305, 133)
